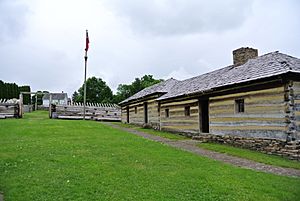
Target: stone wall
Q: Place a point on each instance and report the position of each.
(242, 55)
(278, 147)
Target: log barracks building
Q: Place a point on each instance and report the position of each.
(256, 97)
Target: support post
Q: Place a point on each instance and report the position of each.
(50, 109)
(21, 105)
(36, 98)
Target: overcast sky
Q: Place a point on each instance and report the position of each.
(42, 41)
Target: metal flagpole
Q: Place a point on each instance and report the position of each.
(85, 64)
(84, 93)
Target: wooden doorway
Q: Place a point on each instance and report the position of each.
(204, 115)
(145, 112)
(127, 114)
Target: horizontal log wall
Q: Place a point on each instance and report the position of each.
(137, 115)
(296, 90)
(177, 121)
(124, 114)
(8, 110)
(264, 114)
(153, 114)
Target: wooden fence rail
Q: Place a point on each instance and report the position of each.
(9, 108)
(93, 111)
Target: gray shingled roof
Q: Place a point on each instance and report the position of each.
(162, 87)
(55, 96)
(264, 66)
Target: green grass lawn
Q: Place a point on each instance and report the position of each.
(252, 155)
(43, 159)
(168, 135)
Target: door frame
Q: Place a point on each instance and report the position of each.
(145, 112)
(203, 108)
(127, 114)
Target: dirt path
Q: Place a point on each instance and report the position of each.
(190, 146)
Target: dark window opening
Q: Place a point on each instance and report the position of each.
(239, 105)
(135, 110)
(187, 111)
(167, 113)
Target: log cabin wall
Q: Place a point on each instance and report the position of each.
(124, 114)
(296, 110)
(177, 120)
(137, 113)
(153, 114)
(263, 114)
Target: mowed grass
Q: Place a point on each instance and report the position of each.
(251, 155)
(168, 135)
(43, 159)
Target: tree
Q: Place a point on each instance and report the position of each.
(125, 91)
(39, 98)
(26, 97)
(96, 92)
(75, 97)
(1, 89)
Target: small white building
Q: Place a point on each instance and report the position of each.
(56, 98)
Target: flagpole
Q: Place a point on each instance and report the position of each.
(85, 66)
(84, 92)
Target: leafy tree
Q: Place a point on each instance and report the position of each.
(125, 91)
(75, 97)
(39, 98)
(96, 92)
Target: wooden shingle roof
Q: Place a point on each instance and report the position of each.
(55, 96)
(162, 87)
(264, 66)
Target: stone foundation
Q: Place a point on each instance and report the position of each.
(277, 147)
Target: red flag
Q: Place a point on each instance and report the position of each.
(87, 41)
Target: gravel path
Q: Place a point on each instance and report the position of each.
(191, 146)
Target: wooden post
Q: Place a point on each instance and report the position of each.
(21, 105)
(50, 109)
(36, 98)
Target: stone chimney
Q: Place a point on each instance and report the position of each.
(243, 54)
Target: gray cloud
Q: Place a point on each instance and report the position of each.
(179, 17)
(42, 42)
(12, 19)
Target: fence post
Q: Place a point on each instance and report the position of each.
(21, 105)
(50, 106)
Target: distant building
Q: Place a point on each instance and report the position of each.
(56, 98)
